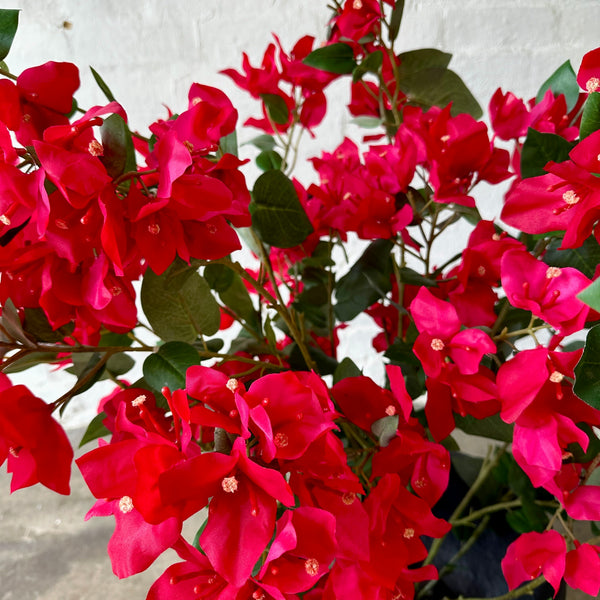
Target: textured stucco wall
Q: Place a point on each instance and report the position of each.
(150, 51)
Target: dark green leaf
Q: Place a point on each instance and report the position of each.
(96, 429)
(119, 364)
(367, 281)
(326, 364)
(413, 61)
(518, 521)
(228, 144)
(168, 366)
(119, 153)
(268, 160)
(12, 324)
(115, 339)
(371, 64)
(262, 142)
(385, 429)
(587, 371)
(276, 107)
(539, 149)
(411, 277)
(590, 119)
(9, 21)
(219, 277)
(277, 215)
(438, 86)
(585, 258)
(346, 368)
(105, 89)
(491, 427)
(237, 298)
(30, 360)
(179, 304)
(395, 20)
(591, 295)
(593, 449)
(84, 364)
(334, 58)
(400, 353)
(562, 81)
(36, 324)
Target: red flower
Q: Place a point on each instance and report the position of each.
(36, 446)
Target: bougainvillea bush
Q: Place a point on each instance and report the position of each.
(309, 479)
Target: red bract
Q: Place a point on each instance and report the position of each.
(457, 152)
(302, 550)
(548, 292)
(534, 554)
(242, 509)
(42, 97)
(441, 337)
(288, 411)
(565, 199)
(35, 445)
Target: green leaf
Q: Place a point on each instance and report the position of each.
(334, 58)
(590, 118)
(410, 276)
(400, 353)
(591, 295)
(110, 338)
(276, 107)
(277, 215)
(262, 142)
(395, 20)
(326, 364)
(179, 304)
(228, 144)
(585, 258)
(268, 160)
(366, 122)
(587, 371)
(9, 21)
(168, 366)
(385, 429)
(539, 149)
(438, 86)
(36, 324)
(85, 363)
(119, 364)
(119, 153)
(562, 81)
(371, 64)
(413, 61)
(30, 360)
(367, 281)
(237, 298)
(105, 89)
(11, 322)
(219, 277)
(96, 429)
(491, 427)
(346, 368)
(518, 521)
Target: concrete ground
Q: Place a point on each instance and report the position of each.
(48, 552)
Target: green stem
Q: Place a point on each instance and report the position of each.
(526, 589)
(476, 514)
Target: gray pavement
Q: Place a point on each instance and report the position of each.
(48, 552)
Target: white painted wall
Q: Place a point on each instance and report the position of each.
(150, 51)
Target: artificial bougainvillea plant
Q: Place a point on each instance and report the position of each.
(319, 482)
